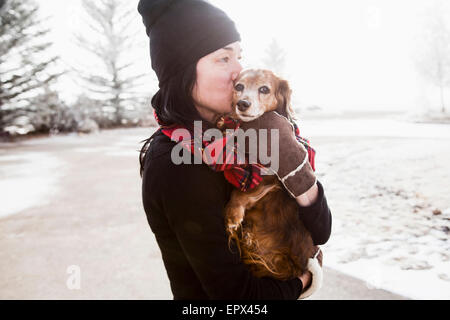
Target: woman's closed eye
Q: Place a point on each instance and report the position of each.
(227, 59)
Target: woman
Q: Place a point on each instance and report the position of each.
(195, 53)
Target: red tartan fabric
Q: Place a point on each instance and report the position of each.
(244, 176)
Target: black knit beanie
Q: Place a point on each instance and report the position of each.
(183, 31)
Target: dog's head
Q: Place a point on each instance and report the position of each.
(257, 91)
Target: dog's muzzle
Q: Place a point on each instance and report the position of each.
(243, 105)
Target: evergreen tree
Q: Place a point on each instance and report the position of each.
(275, 58)
(24, 68)
(111, 80)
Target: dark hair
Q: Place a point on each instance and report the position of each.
(173, 104)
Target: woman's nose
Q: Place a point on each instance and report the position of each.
(237, 70)
(239, 66)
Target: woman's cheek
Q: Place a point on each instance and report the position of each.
(229, 88)
(223, 90)
(223, 100)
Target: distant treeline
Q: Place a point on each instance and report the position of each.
(28, 101)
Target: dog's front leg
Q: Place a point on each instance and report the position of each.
(235, 212)
(241, 201)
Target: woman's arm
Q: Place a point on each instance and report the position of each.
(316, 216)
(194, 209)
(309, 197)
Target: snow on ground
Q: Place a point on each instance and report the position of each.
(386, 181)
(387, 184)
(26, 180)
(30, 179)
(381, 127)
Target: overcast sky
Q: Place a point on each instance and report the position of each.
(347, 54)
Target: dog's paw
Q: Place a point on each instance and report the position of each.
(220, 123)
(232, 229)
(233, 218)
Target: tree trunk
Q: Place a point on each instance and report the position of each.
(442, 98)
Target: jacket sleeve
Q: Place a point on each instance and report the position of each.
(317, 218)
(194, 210)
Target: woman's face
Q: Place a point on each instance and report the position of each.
(216, 73)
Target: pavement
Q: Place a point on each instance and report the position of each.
(87, 236)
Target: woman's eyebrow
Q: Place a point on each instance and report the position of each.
(230, 49)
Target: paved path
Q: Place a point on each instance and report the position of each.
(91, 218)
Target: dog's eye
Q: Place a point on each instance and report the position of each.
(264, 90)
(239, 87)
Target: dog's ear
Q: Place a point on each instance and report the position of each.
(283, 96)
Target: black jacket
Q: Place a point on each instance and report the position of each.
(184, 207)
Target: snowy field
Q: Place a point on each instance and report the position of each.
(26, 180)
(29, 179)
(387, 184)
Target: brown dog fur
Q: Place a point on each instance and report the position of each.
(264, 222)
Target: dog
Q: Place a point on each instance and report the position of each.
(264, 221)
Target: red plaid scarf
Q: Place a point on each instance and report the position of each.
(242, 176)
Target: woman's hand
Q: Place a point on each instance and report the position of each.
(306, 278)
(309, 197)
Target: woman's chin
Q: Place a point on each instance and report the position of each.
(226, 109)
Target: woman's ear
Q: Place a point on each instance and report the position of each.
(283, 96)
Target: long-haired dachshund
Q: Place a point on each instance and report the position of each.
(265, 221)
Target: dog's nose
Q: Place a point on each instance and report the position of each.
(243, 105)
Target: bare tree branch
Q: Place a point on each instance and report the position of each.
(110, 21)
